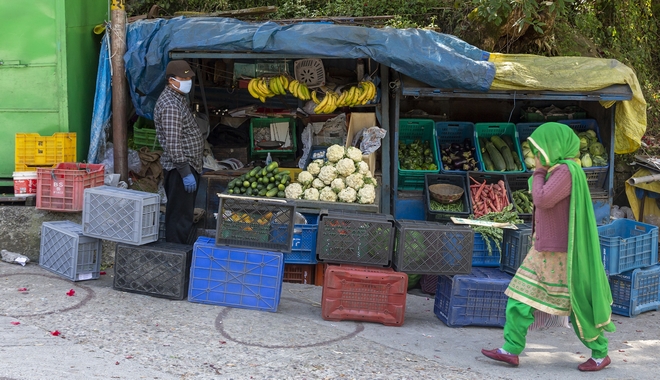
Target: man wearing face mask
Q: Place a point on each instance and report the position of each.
(183, 147)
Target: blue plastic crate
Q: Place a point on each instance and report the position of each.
(409, 208)
(235, 277)
(449, 132)
(480, 256)
(476, 299)
(515, 246)
(626, 245)
(303, 247)
(636, 291)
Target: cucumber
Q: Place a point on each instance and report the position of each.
(230, 191)
(253, 185)
(249, 191)
(271, 179)
(270, 186)
(246, 183)
(253, 172)
(264, 172)
(243, 189)
(281, 194)
(496, 157)
(231, 184)
(505, 151)
(488, 164)
(271, 167)
(281, 187)
(272, 192)
(276, 170)
(260, 186)
(262, 192)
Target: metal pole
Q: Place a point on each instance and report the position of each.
(118, 43)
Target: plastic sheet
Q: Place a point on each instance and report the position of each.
(441, 60)
(102, 105)
(532, 72)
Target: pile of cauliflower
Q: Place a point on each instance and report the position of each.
(344, 177)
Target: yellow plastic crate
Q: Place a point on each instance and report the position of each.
(34, 151)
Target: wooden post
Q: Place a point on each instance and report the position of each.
(118, 49)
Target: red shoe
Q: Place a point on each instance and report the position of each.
(590, 365)
(497, 355)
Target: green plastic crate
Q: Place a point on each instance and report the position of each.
(488, 130)
(261, 127)
(144, 134)
(410, 130)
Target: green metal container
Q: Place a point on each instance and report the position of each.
(48, 63)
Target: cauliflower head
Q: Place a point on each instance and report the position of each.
(313, 168)
(354, 154)
(327, 174)
(338, 185)
(305, 178)
(345, 167)
(370, 180)
(347, 195)
(311, 194)
(367, 194)
(293, 191)
(362, 168)
(327, 194)
(335, 153)
(355, 180)
(317, 183)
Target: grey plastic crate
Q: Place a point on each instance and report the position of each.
(65, 251)
(355, 238)
(433, 248)
(157, 269)
(121, 215)
(249, 222)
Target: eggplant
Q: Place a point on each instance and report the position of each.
(459, 164)
(456, 148)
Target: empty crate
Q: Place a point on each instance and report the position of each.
(364, 294)
(515, 246)
(355, 238)
(476, 299)
(626, 244)
(432, 248)
(235, 277)
(61, 188)
(303, 245)
(65, 251)
(636, 291)
(121, 215)
(157, 269)
(255, 223)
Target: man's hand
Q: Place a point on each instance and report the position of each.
(189, 183)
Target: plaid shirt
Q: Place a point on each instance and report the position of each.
(178, 133)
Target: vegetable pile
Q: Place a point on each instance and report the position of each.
(592, 152)
(499, 154)
(459, 156)
(494, 234)
(452, 207)
(266, 182)
(488, 198)
(418, 155)
(522, 200)
(342, 177)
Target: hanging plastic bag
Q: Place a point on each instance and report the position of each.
(369, 139)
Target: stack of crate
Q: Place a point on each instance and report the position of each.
(362, 287)
(630, 257)
(243, 266)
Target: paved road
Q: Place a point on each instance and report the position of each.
(107, 334)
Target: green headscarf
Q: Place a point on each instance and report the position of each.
(591, 297)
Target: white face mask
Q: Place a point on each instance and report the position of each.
(184, 85)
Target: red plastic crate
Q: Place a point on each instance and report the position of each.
(61, 188)
(369, 294)
(299, 273)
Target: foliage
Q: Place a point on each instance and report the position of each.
(498, 11)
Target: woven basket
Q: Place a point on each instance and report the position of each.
(446, 193)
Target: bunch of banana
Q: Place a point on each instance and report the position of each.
(357, 95)
(278, 84)
(328, 104)
(260, 89)
(299, 90)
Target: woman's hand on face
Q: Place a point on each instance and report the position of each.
(538, 162)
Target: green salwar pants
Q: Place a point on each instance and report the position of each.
(520, 316)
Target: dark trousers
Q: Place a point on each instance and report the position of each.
(180, 208)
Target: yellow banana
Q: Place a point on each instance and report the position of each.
(285, 81)
(350, 96)
(323, 103)
(292, 86)
(304, 92)
(341, 102)
(272, 85)
(251, 88)
(261, 85)
(296, 90)
(373, 91)
(263, 99)
(363, 93)
(314, 98)
(280, 86)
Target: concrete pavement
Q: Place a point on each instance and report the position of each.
(107, 334)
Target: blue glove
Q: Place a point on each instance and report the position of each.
(189, 183)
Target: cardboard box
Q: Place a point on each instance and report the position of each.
(357, 122)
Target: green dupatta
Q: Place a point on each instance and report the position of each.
(591, 297)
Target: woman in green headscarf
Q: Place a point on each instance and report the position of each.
(563, 273)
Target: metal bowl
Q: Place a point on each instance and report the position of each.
(446, 193)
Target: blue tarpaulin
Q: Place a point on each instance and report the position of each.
(102, 105)
(441, 60)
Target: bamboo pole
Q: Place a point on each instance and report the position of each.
(118, 44)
